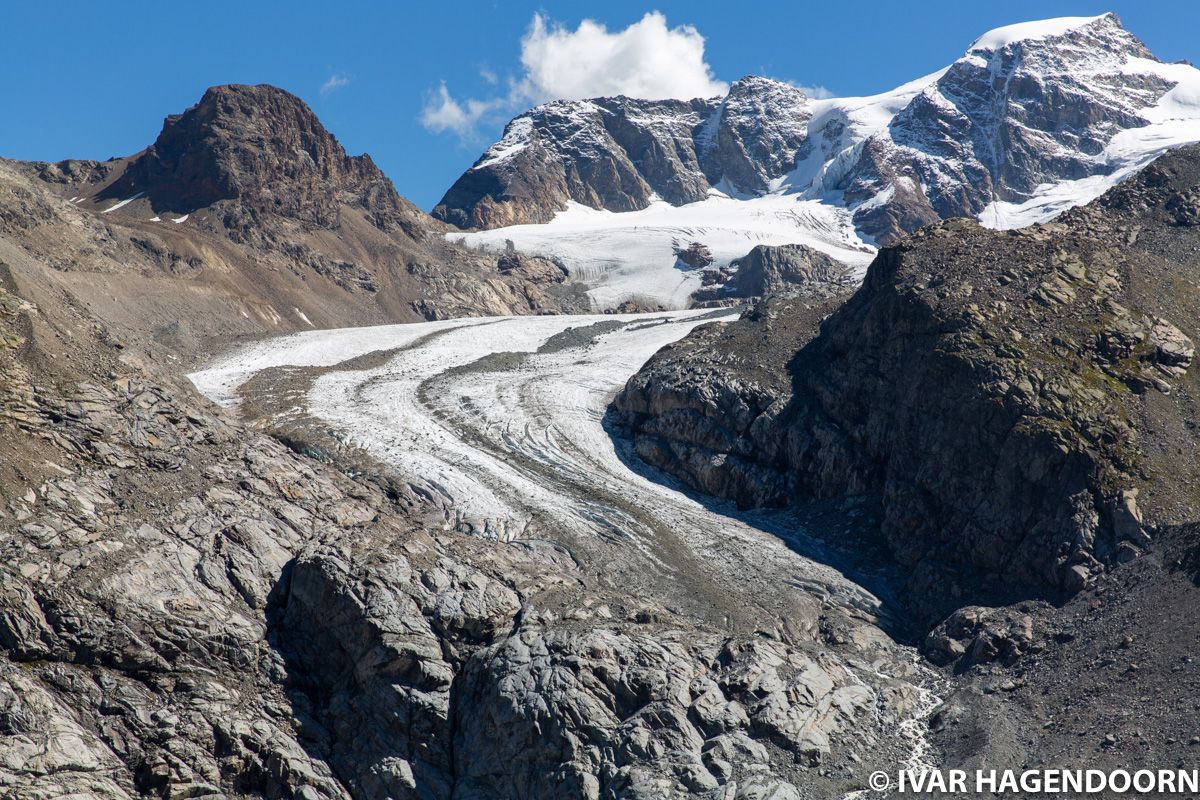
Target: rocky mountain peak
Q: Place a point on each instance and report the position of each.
(1031, 120)
(622, 153)
(1056, 49)
(1028, 106)
(758, 133)
(264, 149)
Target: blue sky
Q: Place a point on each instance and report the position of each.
(94, 80)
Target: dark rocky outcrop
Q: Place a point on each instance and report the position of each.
(1016, 402)
(702, 407)
(265, 149)
(695, 256)
(775, 271)
(769, 270)
(535, 269)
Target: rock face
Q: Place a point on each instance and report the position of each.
(1013, 114)
(492, 696)
(265, 149)
(996, 135)
(770, 270)
(613, 153)
(618, 153)
(757, 135)
(136, 660)
(1004, 396)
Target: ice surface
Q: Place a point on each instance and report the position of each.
(632, 255)
(507, 439)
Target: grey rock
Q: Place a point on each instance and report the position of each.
(695, 256)
(618, 152)
(768, 270)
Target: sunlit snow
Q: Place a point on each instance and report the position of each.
(999, 38)
(122, 203)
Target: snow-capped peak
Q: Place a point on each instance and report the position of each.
(518, 135)
(999, 38)
(1034, 118)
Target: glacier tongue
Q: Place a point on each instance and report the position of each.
(634, 590)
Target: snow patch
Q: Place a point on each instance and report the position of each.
(999, 38)
(517, 137)
(177, 220)
(123, 203)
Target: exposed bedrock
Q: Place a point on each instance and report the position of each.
(415, 674)
(773, 270)
(1016, 402)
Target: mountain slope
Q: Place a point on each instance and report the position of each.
(621, 154)
(247, 216)
(1027, 108)
(1033, 119)
(1017, 411)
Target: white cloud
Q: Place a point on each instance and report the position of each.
(647, 60)
(335, 82)
(443, 113)
(488, 76)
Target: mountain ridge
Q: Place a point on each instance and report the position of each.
(1033, 119)
(247, 216)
